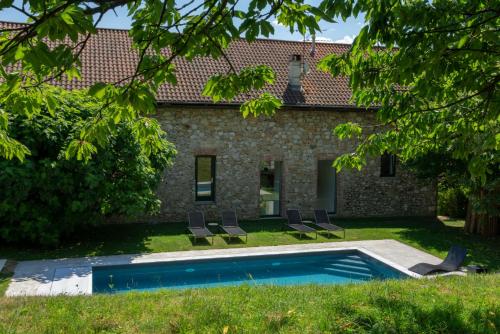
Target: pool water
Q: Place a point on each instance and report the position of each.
(292, 269)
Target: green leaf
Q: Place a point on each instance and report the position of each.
(265, 104)
(98, 90)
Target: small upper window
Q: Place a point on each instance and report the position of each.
(205, 178)
(388, 165)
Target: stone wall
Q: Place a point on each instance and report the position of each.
(298, 138)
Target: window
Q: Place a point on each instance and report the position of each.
(326, 191)
(205, 178)
(388, 165)
(270, 188)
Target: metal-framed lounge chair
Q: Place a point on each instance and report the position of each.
(296, 223)
(454, 259)
(230, 225)
(196, 226)
(323, 221)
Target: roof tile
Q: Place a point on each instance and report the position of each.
(109, 57)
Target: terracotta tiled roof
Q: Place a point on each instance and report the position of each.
(109, 57)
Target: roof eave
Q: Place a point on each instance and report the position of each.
(231, 105)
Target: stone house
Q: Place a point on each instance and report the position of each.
(262, 166)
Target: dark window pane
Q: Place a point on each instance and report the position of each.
(326, 192)
(388, 165)
(270, 188)
(205, 178)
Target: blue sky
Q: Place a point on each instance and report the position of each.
(341, 32)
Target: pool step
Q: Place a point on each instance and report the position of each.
(352, 261)
(351, 267)
(347, 273)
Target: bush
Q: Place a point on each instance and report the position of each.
(47, 197)
(452, 201)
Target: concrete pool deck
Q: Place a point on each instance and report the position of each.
(73, 276)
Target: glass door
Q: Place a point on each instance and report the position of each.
(326, 190)
(270, 188)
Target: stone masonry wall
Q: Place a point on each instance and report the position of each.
(298, 138)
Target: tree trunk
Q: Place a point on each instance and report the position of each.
(481, 223)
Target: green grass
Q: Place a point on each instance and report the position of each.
(432, 236)
(4, 282)
(444, 305)
(411, 306)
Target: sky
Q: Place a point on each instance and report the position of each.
(341, 32)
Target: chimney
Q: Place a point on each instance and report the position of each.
(312, 52)
(295, 72)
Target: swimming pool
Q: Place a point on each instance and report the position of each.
(332, 267)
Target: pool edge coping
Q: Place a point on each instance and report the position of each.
(83, 283)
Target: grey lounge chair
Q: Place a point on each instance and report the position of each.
(197, 226)
(454, 259)
(230, 225)
(296, 223)
(323, 221)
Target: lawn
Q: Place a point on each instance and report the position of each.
(441, 305)
(444, 305)
(433, 236)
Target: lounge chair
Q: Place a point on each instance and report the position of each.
(230, 225)
(323, 221)
(197, 226)
(296, 223)
(455, 258)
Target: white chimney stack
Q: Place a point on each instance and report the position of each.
(313, 45)
(295, 72)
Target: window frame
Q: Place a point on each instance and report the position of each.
(390, 171)
(210, 198)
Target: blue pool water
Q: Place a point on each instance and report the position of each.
(305, 268)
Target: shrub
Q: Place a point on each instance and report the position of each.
(47, 197)
(451, 201)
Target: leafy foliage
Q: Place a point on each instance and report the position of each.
(162, 30)
(435, 84)
(451, 201)
(48, 197)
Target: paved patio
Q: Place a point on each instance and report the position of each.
(74, 276)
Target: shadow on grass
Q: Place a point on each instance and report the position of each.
(302, 236)
(481, 250)
(435, 235)
(428, 234)
(331, 236)
(201, 241)
(233, 240)
(4, 281)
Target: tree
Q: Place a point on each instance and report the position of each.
(50, 47)
(436, 87)
(434, 81)
(48, 197)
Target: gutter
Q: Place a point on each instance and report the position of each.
(233, 105)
